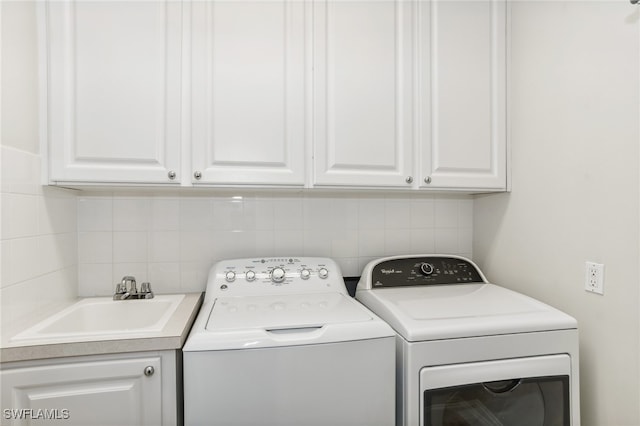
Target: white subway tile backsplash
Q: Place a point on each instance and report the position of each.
(465, 213)
(446, 240)
(95, 214)
(397, 241)
(288, 214)
(19, 216)
(165, 214)
(57, 213)
(397, 214)
(371, 243)
(196, 214)
(422, 214)
(344, 243)
(25, 260)
(228, 215)
(198, 246)
(165, 276)
(317, 242)
(164, 246)
(130, 247)
(175, 240)
(131, 214)
(95, 247)
(423, 241)
(446, 212)
(371, 214)
(288, 243)
(95, 279)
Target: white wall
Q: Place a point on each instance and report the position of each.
(575, 117)
(173, 241)
(38, 237)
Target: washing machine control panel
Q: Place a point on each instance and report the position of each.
(427, 270)
(277, 275)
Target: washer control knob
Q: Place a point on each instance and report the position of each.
(426, 268)
(305, 274)
(278, 275)
(323, 273)
(230, 276)
(250, 275)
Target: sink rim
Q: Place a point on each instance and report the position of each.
(36, 333)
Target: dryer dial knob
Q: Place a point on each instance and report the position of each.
(278, 275)
(230, 276)
(426, 268)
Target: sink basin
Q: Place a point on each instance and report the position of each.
(102, 317)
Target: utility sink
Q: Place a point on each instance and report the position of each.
(100, 317)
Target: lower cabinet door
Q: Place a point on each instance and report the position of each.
(112, 392)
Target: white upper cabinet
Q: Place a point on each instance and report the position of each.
(248, 92)
(321, 93)
(114, 95)
(362, 93)
(461, 115)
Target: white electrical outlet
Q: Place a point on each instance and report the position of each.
(594, 278)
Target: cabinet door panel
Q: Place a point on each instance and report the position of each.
(114, 91)
(362, 93)
(90, 393)
(248, 92)
(462, 69)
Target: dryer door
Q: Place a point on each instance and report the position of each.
(514, 392)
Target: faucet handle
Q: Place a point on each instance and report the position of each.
(145, 291)
(121, 288)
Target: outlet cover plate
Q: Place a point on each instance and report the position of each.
(594, 277)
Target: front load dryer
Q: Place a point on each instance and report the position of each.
(470, 352)
(279, 342)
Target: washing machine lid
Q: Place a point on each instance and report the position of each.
(283, 312)
(295, 319)
(461, 310)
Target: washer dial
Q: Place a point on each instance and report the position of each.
(278, 275)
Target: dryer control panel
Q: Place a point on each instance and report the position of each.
(424, 270)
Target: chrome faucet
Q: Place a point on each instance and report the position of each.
(127, 290)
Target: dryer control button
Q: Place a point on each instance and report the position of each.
(426, 268)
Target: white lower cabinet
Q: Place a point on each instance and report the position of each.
(122, 389)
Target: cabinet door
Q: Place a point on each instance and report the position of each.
(462, 117)
(362, 95)
(248, 92)
(114, 91)
(85, 393)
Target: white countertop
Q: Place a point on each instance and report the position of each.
(172, 336)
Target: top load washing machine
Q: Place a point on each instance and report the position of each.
(279, 342)
(470, 352)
